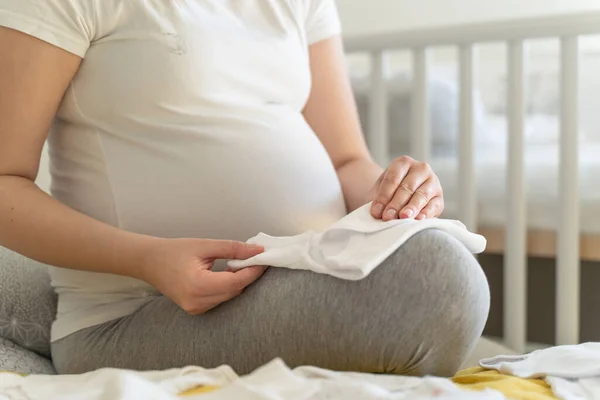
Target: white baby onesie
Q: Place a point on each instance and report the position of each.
(352, 247)
(572, 361)
(572, 371)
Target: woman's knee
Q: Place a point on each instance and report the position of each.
(446, 267)
(448, 298)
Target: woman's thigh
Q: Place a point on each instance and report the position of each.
(420, 312)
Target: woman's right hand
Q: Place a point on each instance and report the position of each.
(181, 270)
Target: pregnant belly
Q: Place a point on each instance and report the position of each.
(221, 181)
(232, 189)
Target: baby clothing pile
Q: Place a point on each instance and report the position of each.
(274, 381)
(573, 373)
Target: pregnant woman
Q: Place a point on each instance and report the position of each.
(178, 129)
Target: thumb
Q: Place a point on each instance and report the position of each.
(230, 249)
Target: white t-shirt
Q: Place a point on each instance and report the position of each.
(184, 120)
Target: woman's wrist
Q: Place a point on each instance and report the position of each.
(357, 179)
(141, 256)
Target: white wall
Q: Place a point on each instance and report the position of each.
(368, 16)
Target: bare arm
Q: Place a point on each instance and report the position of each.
(331, 112)
(34, 76)
(406, 189)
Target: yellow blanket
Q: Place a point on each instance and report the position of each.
(511, 386)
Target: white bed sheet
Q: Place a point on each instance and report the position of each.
(542, 183)
(542, 174)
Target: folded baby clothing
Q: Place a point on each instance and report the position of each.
(572, 371)
(352, 247)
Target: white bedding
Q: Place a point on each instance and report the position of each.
(542, 179)
(273, 381)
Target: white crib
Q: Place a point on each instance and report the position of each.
(568, 29)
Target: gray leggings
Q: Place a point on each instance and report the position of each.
(420, 312)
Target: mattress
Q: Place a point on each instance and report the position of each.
(541, 175)
(542, 185)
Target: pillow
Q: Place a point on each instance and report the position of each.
(14, 358)
(27, 302)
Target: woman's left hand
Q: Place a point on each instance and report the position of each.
(407, 189)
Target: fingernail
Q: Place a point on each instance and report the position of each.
(391, 213)
(421, 216)
(378, 208)
(408, 212)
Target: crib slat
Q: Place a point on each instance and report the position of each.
(466, 151)
(568, 263)
(420, 140)
(515, 259)
(378, 136)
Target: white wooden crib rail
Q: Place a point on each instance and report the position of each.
(515, 33)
